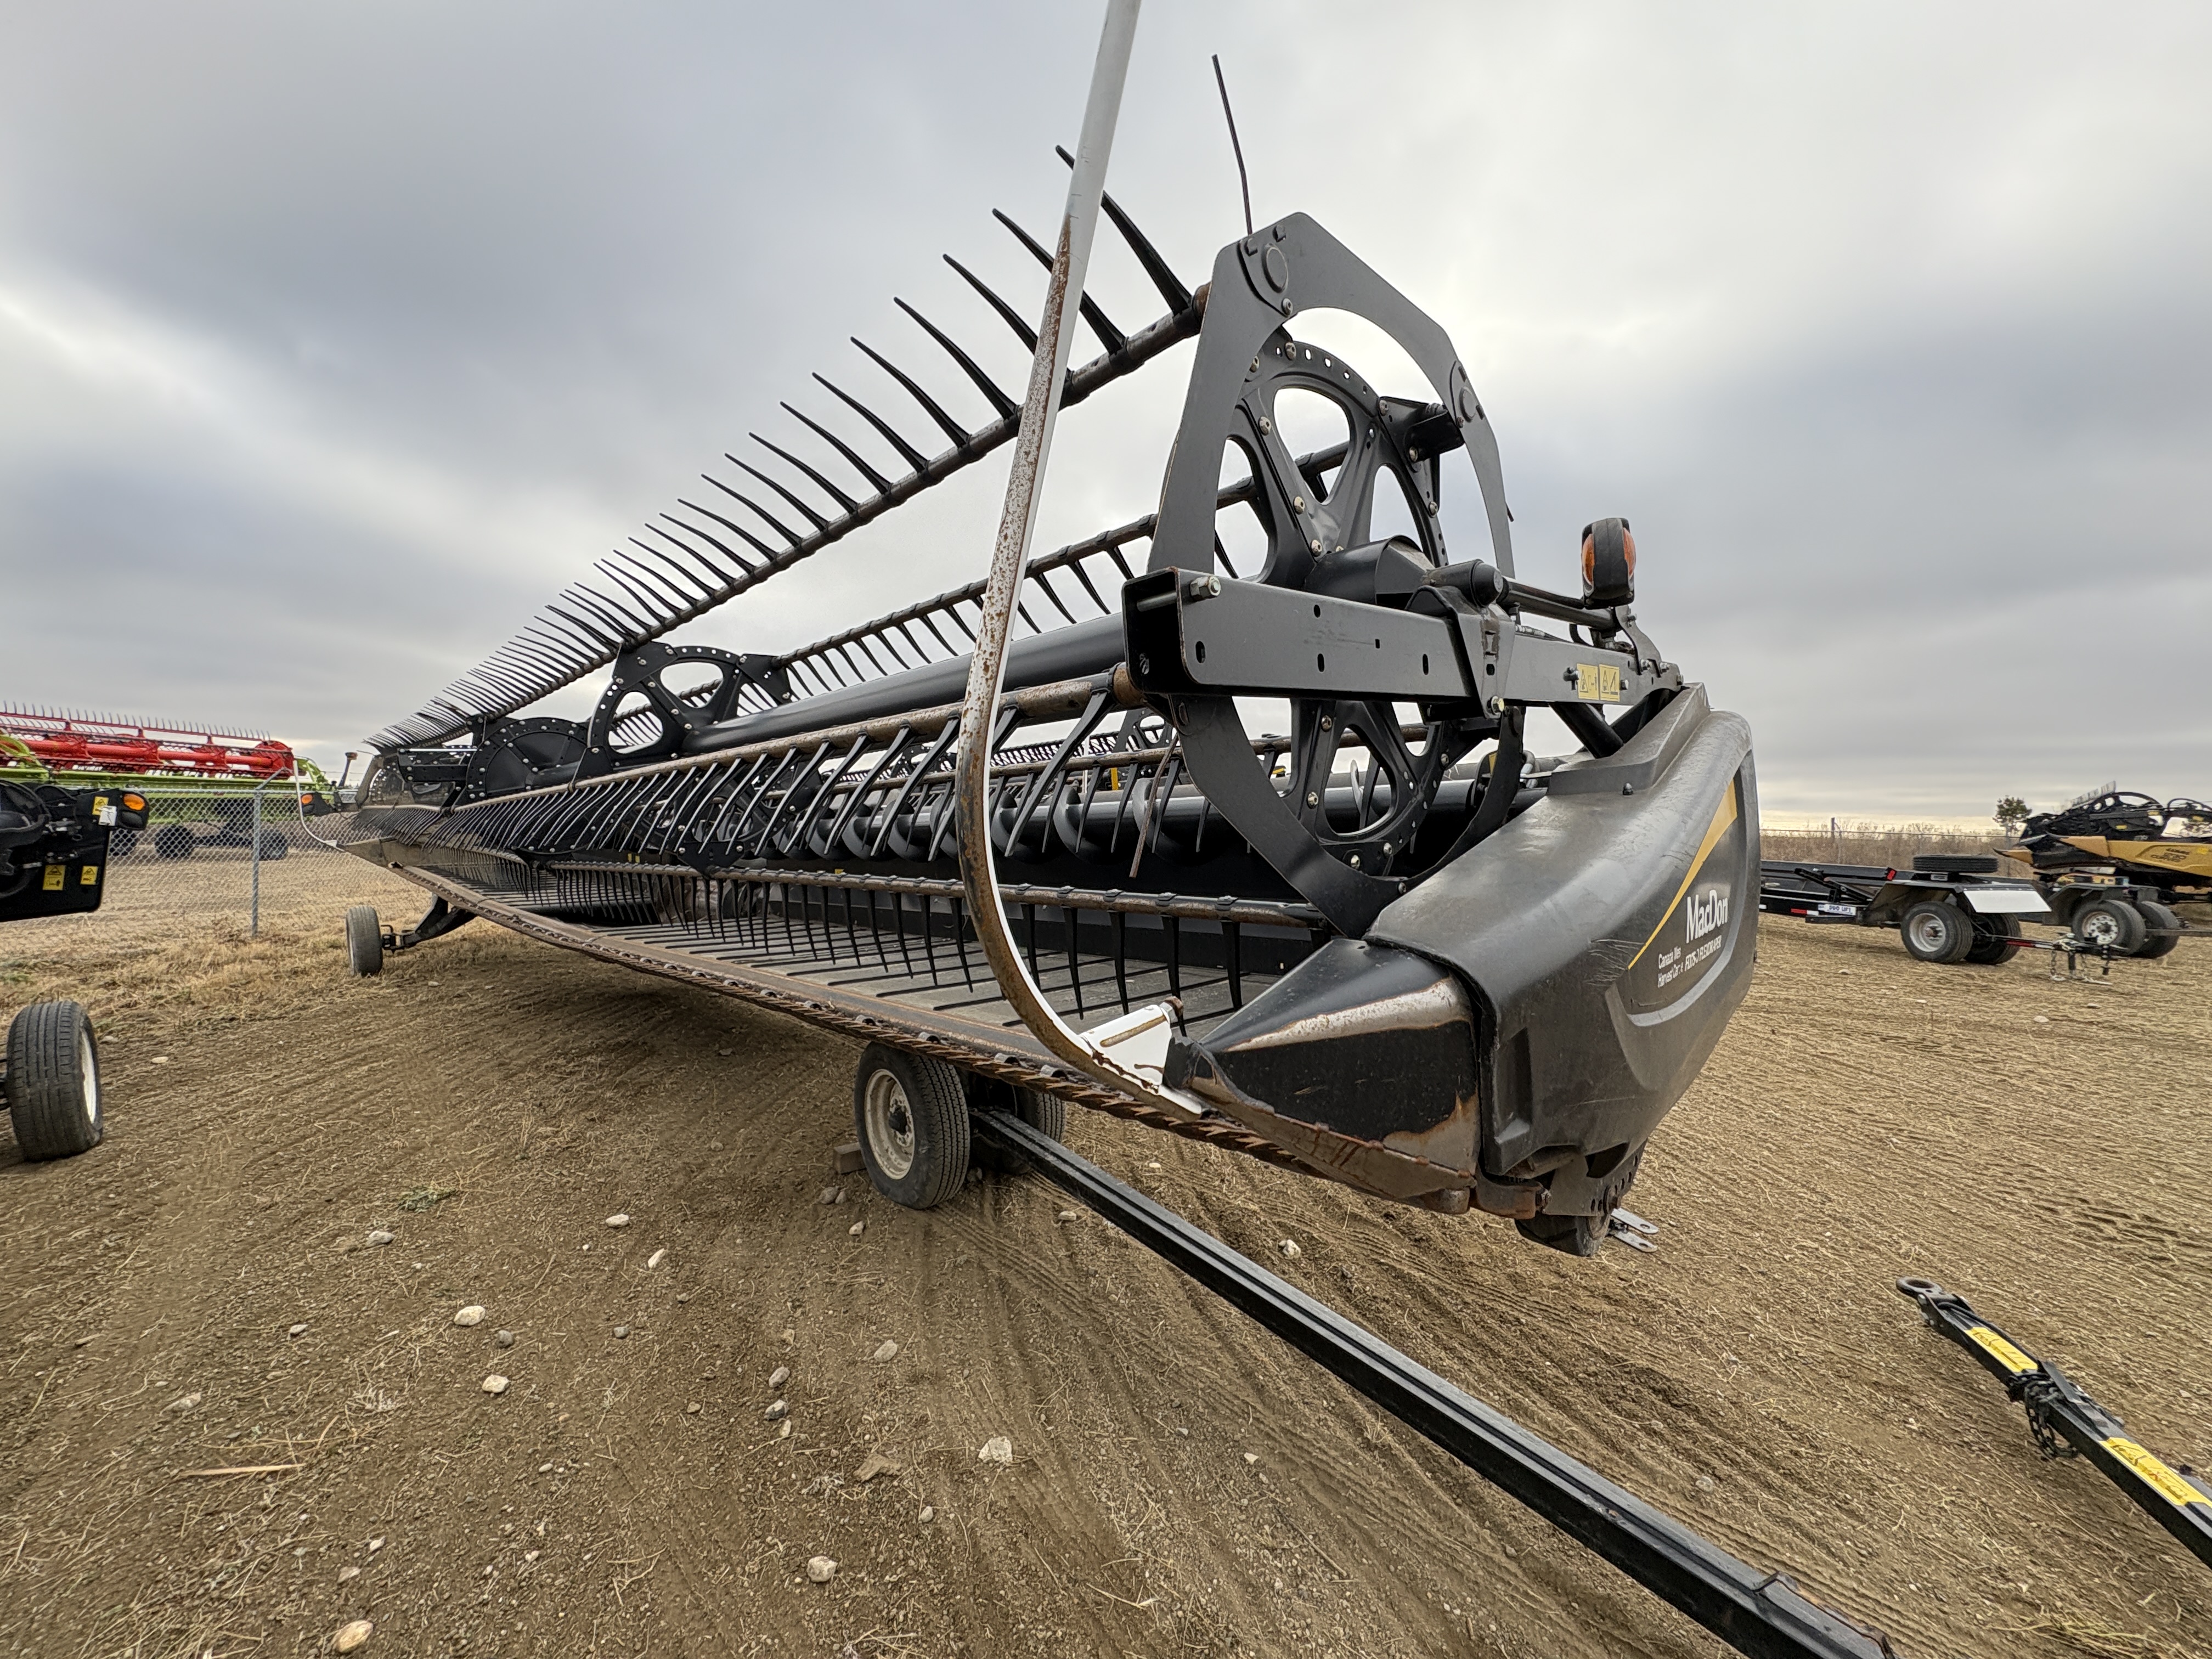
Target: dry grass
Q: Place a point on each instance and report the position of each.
(1857, 841)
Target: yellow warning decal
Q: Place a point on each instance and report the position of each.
(1597, 682)
(100, 802)
(89, 877)
(1723, 816)
(1990, 1343)
(55, 873)
(2154, 1474)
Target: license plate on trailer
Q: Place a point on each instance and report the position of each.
(2007, 901)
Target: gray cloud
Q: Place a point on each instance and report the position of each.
(333, 340)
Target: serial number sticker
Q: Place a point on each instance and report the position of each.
(2154, 1474)
(55, 875)
(1998, 1349)
(89, 877)
(1597, 682)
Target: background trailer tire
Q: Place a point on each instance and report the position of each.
(2113, 922)
(2161, 928)
(911, 1116)
(1933, 931)
(1993, 940)
(53, 1081)
(364, 941)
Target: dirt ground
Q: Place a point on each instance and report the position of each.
(1180, 1482)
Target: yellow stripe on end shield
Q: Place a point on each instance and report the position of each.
(1714, 831)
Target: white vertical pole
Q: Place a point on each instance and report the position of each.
(1009, 556)
(253, 930)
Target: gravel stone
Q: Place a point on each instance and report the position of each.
(184, 1403)
(469, 1316)
(1288, 1247)
(833, 1194)
(621, 1332)
(779, 1376)
(506, 1338)
(296, 1330)
(821, 1569)
(494, 1384)
(352, 1637)
(888, 1351)
(778, 1410)
(619, 1219)
(380, 1236)
(929, 1513)
(655, 1259)
(997, 1449)
(857, 1228)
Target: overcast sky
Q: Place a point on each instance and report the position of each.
(334, 339)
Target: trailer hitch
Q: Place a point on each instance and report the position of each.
(2067, 1422)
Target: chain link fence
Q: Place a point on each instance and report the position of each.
(235, 858)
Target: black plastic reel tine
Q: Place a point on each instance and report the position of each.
(961, 437)
(812, 516)
(1109, 336)
(1006, 407)
(1013, 318)
(913, 457)
(733, 527)
(765, 516)
(827, 488)
(1178, 297)
(876, 480)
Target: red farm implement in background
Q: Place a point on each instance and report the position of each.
(82, 743)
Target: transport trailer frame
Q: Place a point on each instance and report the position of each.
(2067, 1423)
(1947, 909)
(1762, 1613)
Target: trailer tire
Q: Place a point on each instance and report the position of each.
(1046, 1114)
(2161, 929)
(1935, 931)
(2113, 922)
(364, 941)
(175, 840)
(911, 1115)
(1576, 1235)
(53, 1081)
(1994, 939)
(121, 844)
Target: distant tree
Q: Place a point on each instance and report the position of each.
(2011, 813)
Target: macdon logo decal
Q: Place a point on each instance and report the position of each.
(1706, 912)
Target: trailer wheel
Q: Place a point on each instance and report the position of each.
(121, 844)
(1576, 1234)
(1933, 931)
(53, 1081)
(1993, 940)
(2112, 922)
(2161, 928)
(175, 840)
(912, 1115)
(364, 941)
(1047, 1114)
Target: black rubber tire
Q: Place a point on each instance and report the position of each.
(364, 941)
(1993, 940)
(1955, 863)
(2161, 929)
(175, 840)
(273, 844)
(1575, 1235)
(53, 1081)
(1935, 930)
(910, 1116)
(1047, 1114)
(121, 844)
(2111, 922)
